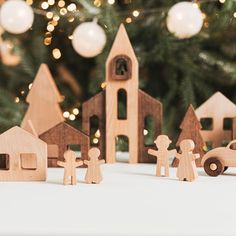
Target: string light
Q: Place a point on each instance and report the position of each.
(128, 20)
(222, 1)
(56, 53)
(51, 2)
(111, 1)
(66, 114)
(29, 2)
(50, 27)
(49, 15)
(22, 92)
(97, 134)
(72, 117)
(30, 86)
(136, 13)
(70, 37)
(97, 3)
(56, 18)
(71, 19)
(95, 141)
(145, 132)
(61, 3)
(71, 7)
(17, 100)
(75, 111)
(103, 85)
(47, 41)
(44, 5)
(63, 11)
(234, 14)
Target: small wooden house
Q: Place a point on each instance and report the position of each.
(62, 137)
(217, 112)
(23, 157)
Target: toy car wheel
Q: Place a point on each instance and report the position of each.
(213, 166)
(225, 168)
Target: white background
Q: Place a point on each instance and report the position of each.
(131, 200)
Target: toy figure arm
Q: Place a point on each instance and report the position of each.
(178, 156)
(86, 162)
(152, 152)
(61, 163)
(196, 156)
(79, 163)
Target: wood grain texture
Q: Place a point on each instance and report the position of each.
(70, 165)
(44, 111)
(217, 107)
(191, 129)
(187, 170)
(93, 174)
(95, 106)
(162, 154)
(114, 126)
(148, 106)
(22, 148)
(63, 135)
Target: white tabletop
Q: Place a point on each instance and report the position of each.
(131, 200)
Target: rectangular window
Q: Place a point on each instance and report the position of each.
(227, 123)
(28, 161)
(207, 123)
(4, 161)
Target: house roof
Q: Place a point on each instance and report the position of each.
(16, 131)
(217, 104)
(122, 45)
(64, 128)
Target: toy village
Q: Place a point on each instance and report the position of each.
(44, 138)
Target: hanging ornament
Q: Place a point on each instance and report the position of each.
(16, 16)
(184, 20)
(89, 39)
(7, 57)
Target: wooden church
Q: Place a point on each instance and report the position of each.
(122, 81)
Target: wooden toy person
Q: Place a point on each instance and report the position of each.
(162, 154)
(70, 165)
(93, 174)
(187, 170)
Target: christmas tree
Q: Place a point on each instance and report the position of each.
(175, 71)
(190, 129)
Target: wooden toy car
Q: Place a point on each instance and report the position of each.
(217, 161)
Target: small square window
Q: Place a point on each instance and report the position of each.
(207, 123)
(227, 123)
(4, 161)
(28, 161)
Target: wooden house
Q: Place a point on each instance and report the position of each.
(122, 86)
(23, 156)
(216, 116)
(62, 137)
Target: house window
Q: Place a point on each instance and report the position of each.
(4, 161)
(28, 161)
(207, 123)
(227, 123)
(120, 68)
(122, 104)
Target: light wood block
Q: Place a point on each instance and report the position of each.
(70, 165)
(93, 174)
(44, 111)
(27, 156)
(187, 170)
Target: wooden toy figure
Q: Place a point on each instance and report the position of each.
(162, 154)
(187, 170)
(93, 174)
(70, 165)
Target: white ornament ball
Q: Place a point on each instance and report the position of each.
(16, 16)
(184, 20)
(89, 39)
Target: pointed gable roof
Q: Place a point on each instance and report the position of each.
(122, 45)
(217, 104)
(43, 85)
(15, 131)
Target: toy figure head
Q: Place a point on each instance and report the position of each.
(187, 145)
(94, 153)
(162, 141)
(69, 155)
